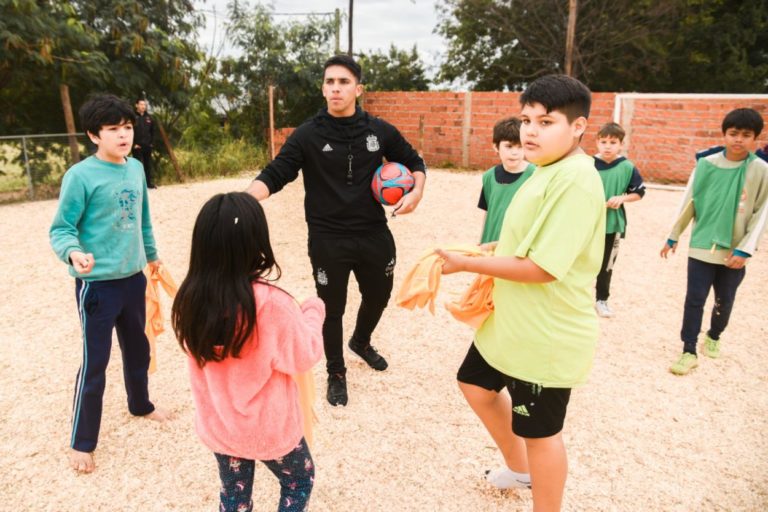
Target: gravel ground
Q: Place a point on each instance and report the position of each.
(638, 437)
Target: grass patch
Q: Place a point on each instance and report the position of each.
(232, 158)
(12, 175)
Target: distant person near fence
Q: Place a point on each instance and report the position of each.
(144, 134)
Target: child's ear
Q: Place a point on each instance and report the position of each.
(94, 137)
(496, 148)
(579, 126)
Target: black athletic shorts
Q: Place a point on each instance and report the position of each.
(476, 371)
(536, 411)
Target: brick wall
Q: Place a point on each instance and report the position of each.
(454, 129)
(431, 121)
(664, 132)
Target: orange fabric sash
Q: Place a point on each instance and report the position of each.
(155, 321)
(421, 284)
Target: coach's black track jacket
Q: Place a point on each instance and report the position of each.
(338, 157)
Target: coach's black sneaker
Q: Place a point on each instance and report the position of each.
(369, 355)
(337, 389)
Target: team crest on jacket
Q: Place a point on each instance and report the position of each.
(372, 143)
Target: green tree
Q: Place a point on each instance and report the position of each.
(42, 44)
(120, 46)
(288, 56)
(396, 70)
(719, 46)
(504, 45)
(645, 45)
(150, 46)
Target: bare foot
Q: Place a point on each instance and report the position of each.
(82, 462)
(160, 415)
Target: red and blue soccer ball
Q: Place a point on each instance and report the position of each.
(391, 182)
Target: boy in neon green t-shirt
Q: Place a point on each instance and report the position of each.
(727, 199)
(540, 339)
(622, 184)
(481, 388)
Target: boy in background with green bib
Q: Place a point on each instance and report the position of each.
(501, 182)
(622, 184)
(727, 199)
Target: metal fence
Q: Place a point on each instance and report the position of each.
(31, 166)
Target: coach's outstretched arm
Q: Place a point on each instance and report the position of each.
(282, 170)
(258, 189)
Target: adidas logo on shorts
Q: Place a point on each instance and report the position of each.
(522, 410)
(327, 148)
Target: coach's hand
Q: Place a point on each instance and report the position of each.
(82, 263)
(407, 203)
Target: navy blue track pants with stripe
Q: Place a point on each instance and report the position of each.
(105, 305)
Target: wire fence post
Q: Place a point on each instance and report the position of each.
(26, 166)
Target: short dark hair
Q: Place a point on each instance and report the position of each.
(214, 312)
(141, 99)
(103, 109)
(507, 129)
(347, 62)
(611, 130)
(744, 119)
(559, 92)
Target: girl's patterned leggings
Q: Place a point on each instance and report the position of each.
(295, 471)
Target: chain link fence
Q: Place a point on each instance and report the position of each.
(31, 166)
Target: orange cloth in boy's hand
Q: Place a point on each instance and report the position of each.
(155, 321)
(422, 282)
(475, 304)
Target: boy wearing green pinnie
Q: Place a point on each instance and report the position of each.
(727, 199)
(622, 184)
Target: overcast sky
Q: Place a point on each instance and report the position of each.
(376, 23)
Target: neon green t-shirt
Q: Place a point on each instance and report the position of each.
(546, 333)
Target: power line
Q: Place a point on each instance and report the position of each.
(217, 14)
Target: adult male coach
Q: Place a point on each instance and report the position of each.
(338, 151)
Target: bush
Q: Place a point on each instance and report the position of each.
(232, 157)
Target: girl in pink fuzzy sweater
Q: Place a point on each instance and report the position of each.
(245, 337)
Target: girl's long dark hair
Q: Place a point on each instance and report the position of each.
(214, 312)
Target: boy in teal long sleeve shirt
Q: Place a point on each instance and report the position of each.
(102, 230)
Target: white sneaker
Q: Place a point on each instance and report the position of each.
(505, 478)
(602, 309)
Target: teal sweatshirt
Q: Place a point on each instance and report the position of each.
(104, 210)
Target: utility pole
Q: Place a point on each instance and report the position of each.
(351, 8)
(570, 36)
(337, 19)
(272, 122)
